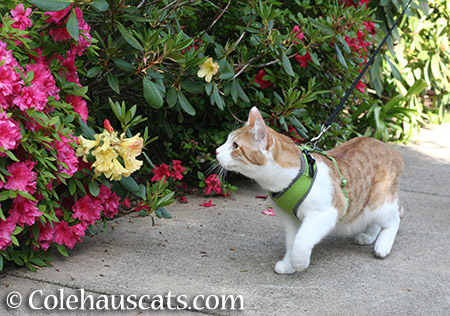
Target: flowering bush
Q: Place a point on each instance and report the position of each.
(48, 195)
(195, 68)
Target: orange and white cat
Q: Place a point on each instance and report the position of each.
(372, 170)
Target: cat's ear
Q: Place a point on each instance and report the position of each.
(260, 132)
(253, 116)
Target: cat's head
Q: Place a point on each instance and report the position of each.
(257, 151)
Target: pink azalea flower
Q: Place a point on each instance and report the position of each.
(370, 27)
(43, 78)
(22, 177)
(295, 136)
(20, 16)
(213, 184)
(262, 83)
(79, 106)
(9, 132)
(182, 199)
(66, 154)
(298, 35)
(177, 169)
(68, 235)
(109, 200)
(269, 212)
(87, 210)
(10, 82)
(361, 87)
(57, 16)
(160, 172)
(32, 97)
(46, 234)
(126, 203)
(304, 60)
(207, 204)
(6, 229)
(24, 211)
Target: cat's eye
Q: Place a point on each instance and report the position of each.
(235, 145)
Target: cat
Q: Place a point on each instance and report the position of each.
(372, 170)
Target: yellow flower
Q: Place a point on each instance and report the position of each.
(129, 149)
(208, 69)
(108, 147)
(85, 146)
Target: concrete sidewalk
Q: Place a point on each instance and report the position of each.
(231, 249)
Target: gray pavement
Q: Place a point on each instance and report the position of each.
(231, 249)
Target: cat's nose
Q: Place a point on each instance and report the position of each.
(217, 152)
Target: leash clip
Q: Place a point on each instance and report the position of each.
(316, 139)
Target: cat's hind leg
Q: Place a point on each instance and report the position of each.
(388, 217)
(369, 235)
(291, 226)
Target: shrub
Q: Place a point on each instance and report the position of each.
(48, 195)
(195, 68)
(409, 76)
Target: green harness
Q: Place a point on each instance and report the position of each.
(290, 198)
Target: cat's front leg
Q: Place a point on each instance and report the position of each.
(291, 226)
(315, 226)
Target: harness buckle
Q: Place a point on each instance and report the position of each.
(316, 139)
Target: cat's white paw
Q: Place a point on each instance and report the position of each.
(364, 239)
(381, 252)
(283, 268)
(300, 259)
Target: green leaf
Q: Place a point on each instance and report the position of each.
(394, 69)
(86, 130)
(131, 186)
(185, 104)
(435, 69)
(100, 5)
(1, 263)
(194, 87)
(11, 156)
(51, 5)
(164, 213)
(38, 262)
(62, 250)
(219, 101)
(14, 240)
(94, 189)
(340, 57)
(72, 26)
(171, 97)
(152, 94)
(287, 65)
(17, 230)
(416, 88)
(113, 82)
(129, 37)
(123, 64)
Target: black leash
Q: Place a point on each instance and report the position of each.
(336, 111)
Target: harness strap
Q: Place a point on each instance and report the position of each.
(343, 180)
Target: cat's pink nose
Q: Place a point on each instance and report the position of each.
(217, 152)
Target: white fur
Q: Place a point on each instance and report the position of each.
(316, 216)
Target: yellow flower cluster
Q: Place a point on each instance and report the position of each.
(108, 148)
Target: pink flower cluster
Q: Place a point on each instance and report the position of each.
(29, 86)
(59, 31)
(165, 171)
(213, 184)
